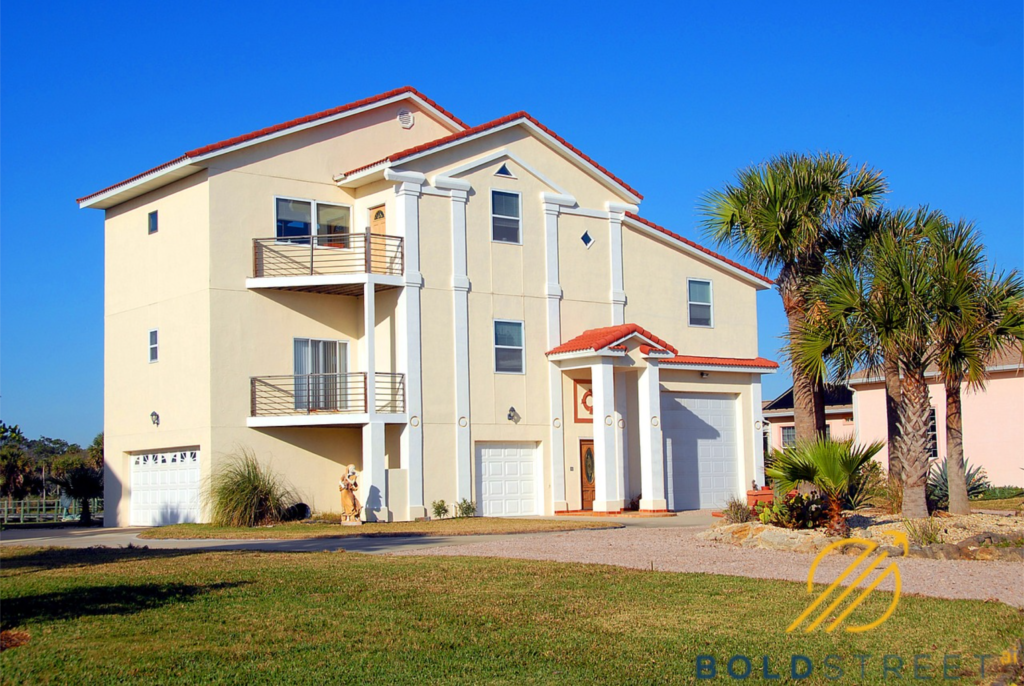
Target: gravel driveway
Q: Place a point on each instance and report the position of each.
(679, 550)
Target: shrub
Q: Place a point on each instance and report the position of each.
(866, 485)
(245, 493)
(938, 484)
(923, 531)
(794, 511)
(439, 508)
(737, 511)
(893, 495)
(465, 508)
(1001, 492)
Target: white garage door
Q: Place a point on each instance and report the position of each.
(701, 449)
(506, 479)
(165, 488)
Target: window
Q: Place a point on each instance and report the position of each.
(788, 436)
(933, 441)
(508, 347)
(503, 170)
(154, 224)
(505, 221)
(320, 378)
(295, 222)
(154, 353)
(699, 296)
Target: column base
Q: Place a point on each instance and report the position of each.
(417, 514)
(381, 515)
(560, 506)
(654, 505)
(609, 505)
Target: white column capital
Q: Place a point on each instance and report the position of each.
(411, 181)
(557, 199)
(620, 208)
(450, 183)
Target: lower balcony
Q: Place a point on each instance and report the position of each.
(326, 399)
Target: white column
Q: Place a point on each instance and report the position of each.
(553, 291)
(757, 429)
(605, 458)
(370, 344)
(407, 222)
(373, 485)
(460, 302)
(616, 213)
(621, 439)
(652, 460)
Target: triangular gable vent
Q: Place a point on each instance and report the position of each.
(504, 171)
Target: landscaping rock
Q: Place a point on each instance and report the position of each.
(755, 535)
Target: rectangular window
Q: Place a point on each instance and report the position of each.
(509, 352)
(505, 217)
(933, 440)
(154, 224)
(320, 379)
(788, 436)
(699, 302)
(295, 222)
(154, 353)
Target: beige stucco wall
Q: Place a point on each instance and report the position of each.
(993, 430)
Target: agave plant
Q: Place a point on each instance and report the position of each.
(830, 466)
(938, 483)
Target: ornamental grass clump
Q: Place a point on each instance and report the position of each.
(737, 511)
(245, 493)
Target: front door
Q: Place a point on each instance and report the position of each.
(378, 220)
(587, 474)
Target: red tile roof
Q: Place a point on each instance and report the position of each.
(395, 157)
(650, 350)
(755, 363)
(711, 253)
(206, 149)
(597, 339)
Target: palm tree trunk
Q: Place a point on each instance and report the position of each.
(85, 517)
(955, 469)
(914, 442)
(819, 408)
(893, 398)
(806, 393)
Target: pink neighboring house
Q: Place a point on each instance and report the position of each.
(779, 426)
(993, 419)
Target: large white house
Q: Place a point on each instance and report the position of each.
(462, 312)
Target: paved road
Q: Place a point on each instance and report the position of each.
(85, 538)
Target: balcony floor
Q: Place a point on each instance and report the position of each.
(332, 284)
(324, 420)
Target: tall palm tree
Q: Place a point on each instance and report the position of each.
(793, 214)
(977, 314)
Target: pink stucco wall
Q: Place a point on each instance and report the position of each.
(993, 424)
(840, 427)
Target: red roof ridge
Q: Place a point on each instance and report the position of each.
(603, 337)
(698, 246)
(213, 147)
(486, 126)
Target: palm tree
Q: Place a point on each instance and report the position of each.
(793, 214)
(828, 465)
(82, 483)
(16, 470)
(977, 314)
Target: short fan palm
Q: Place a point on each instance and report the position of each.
(830, 466)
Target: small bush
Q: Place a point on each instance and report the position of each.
(923, 531)
(465, 508)
(867, 485)
(795, 511)
(737, 511)
(1001, 493)
(245, 493)
(938, 484)
(439, 508)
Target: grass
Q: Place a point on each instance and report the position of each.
(137, 615)
(1004, 504)
(443, 527)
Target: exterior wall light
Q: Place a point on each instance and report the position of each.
(155, 418)
(704, 375)
(512, 414)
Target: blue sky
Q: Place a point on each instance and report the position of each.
(672, 98)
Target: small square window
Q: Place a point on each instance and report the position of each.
(788, 436)
(505, 217)
(509, 357)
(154, 352)
(154, 223)
(587, 240)
(699, 305)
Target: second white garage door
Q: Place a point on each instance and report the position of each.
(506, 479)
(701, 449)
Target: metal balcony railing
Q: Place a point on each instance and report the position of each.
(339, 253)
(315, 394)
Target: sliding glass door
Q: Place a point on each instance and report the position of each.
(320, 373)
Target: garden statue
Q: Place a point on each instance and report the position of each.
(350, 507)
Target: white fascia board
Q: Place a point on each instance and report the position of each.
(665, 364)
(844, 409)
(698, 254)
(500, 154)
(199, 159)
(583, 354)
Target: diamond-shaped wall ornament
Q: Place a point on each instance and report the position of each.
(586, 238)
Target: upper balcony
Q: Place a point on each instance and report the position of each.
(335, 263)
(325, 399)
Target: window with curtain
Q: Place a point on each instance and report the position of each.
(505, 217)
(320, 374)
(699, 295)
(509, 351)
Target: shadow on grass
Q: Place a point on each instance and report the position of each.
(43, 559)
(124, 599)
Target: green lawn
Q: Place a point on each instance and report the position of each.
(444, 527)
(131, 615)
